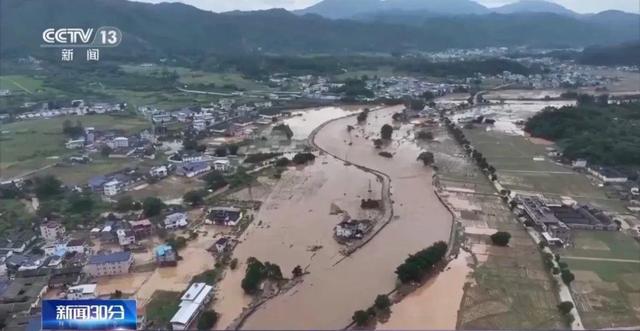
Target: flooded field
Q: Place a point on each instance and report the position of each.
(305, 121)
(507, 114)
(295, 221)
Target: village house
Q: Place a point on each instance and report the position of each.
(222, 165)
(165, 255)
(109, 264)
(51, 230)
(78, 246)
(126, 237)
(17, 241)
(75, 143)
(4, 255)
(82, 292)
(192, 169)
(142, 228)
(608, 175)
(112, 188)
(228, 216)
(222, 244)
(160, 172)
(192, 302)
(175, 221)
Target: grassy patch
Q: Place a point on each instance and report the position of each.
(603, 244)
(163, 305)
(29, 145)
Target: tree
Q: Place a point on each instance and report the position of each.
(253, 276)
(124, 204)
(221, 151)
(424, 135)
(501, 238)
(297, 271)
(233, 264)
(360, 317)
(46, 187)
(105, 151)
(377, 143)
(282, 162)
(565, 307)
(152, 206)
(233, 149)
(567, 276)
(414, 104)
(117, 294)
(302, 158)
(284, 128)
(428, 95)
(363, 115)
(194, 198)
(207, 320)
(382, 302)
(215, 180)
(427, 158)
(386, 131)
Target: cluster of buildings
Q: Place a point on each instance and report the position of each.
(76, 107)
(118, 145)
(555, 219)
(396, 87)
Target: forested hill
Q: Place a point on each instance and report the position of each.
(176, 29)
(605, 135)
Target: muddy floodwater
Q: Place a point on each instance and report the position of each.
(510, 112)
(305, 121)
(435, 304)
(294, 227)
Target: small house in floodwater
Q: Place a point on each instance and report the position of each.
(229, 216)
(165, 255)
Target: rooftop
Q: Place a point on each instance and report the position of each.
(109, 258)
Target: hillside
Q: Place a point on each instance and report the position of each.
(534, 6)
(350, 8)
(174, 29)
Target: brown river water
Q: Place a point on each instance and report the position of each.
(295, 217)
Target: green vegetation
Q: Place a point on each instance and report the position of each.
(361, 318)
(416, 266)
(194, 198)
(152, 206)
(386, 131)
(163, 305)
(382, 302)
(601, 134)
(565, 307)
(207, 320)
(501, 238)
(257, 272)
(427, 158)
(354, 87)
(285, 129)
(302, 158)
(27, 145)
(215, 180)
(362, 116)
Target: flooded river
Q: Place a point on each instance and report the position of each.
(295, 218)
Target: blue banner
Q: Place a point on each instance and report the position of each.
(89, 315)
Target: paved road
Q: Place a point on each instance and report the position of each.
(600, 259)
